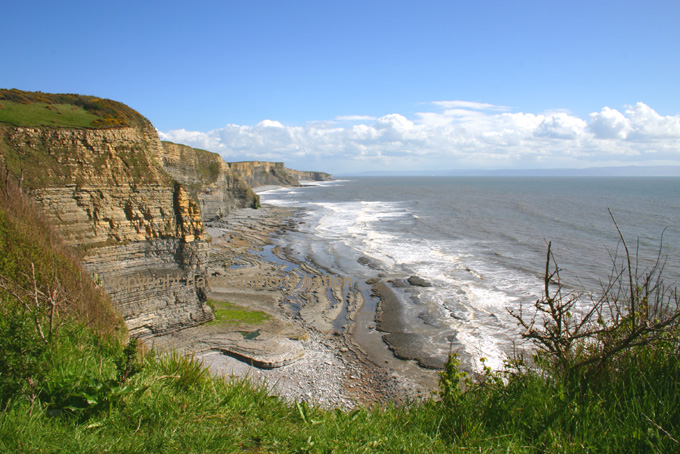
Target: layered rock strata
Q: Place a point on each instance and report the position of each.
(307, 175)
(140, 231)
(135, 207)
(262, 173)
(216, 186)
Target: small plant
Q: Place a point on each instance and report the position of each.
(127, 364)
(186, 372)
(24, 354)
(453, 381)
(577, 334)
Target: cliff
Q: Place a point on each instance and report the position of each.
(262, 173)
(306, 175)
(134, 207)
(139, 230)
(209, 179)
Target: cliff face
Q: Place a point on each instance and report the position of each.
(305, 175)
(140, 231)
(262, 173)
(134, 206)
(209, 179)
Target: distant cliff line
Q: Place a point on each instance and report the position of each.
(221, 186)
(264, 173)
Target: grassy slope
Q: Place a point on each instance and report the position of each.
(29, 245)
(43, 114)
(25, 108)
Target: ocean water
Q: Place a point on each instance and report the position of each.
(481, 242)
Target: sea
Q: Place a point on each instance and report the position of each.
(481, 243)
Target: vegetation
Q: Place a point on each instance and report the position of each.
(25, 108)
(41, 162)
(226, 312)
(69, 381)
(605, 376)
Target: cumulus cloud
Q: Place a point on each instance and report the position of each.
(646, 123)
(609, 124)
(453, 134)
(269, 124)
(355, 118)
(561, 126)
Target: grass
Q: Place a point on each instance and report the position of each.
(229, 313)
(171, 404)
(41, 114)
(45, 162)
(26, 108)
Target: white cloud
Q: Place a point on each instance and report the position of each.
(561, 126)
(355, 118)
(469, 105)
(269, 124)
(646, 123)
(454, 134)
(609, 124)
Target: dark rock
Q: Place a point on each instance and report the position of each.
(399, 283)
(419, 281)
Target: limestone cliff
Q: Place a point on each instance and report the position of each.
(263, 173)
(139, 230)
(209, 179)
(306, 175)
(132, 205)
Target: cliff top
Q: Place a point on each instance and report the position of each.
(31, 109)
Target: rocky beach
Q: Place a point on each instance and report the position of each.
(175, 236)
(319, 343)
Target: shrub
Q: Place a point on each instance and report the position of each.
(24, 354)
(578, 334)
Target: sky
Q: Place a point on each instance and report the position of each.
(350, 86)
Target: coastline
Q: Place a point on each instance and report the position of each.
(321, 344)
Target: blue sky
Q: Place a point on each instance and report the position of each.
(348, 86)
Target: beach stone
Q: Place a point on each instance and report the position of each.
(419, 282)
(399, 283)
(266, 351)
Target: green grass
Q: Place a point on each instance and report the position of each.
(28, 108)
(229, 313)
(171, 404)
(41, 114)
